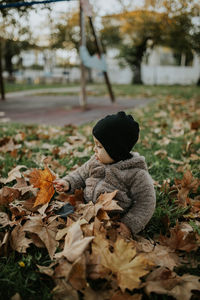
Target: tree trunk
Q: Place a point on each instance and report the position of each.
(1, 75)
(137, 75)
(198, 82)
(90, 79)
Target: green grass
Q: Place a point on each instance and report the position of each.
(16, 87)
(120, 90)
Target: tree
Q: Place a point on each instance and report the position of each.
(135, 29)
(140, 29)
(67, 35)
(13, 36)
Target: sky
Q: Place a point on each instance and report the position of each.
(101, 7)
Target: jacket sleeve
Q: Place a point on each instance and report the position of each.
(77, 178)
(144, 201)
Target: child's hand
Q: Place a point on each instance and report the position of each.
(61, 185)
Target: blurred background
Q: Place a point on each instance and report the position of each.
(151, 42)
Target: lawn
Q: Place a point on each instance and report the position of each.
(170, 142)
(120, 90)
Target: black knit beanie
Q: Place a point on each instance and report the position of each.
(118, 134)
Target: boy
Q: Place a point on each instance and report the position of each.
(115, 167)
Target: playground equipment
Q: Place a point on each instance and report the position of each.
(86, 60)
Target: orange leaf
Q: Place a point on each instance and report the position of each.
(42, 179)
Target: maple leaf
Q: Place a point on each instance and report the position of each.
(18, 240)
(13, 174)
(75, 243)
(42, 179)
(164, 281)
(185, 185)
(4, 219)
(7, 195)
(107, 201)
(123, 262)
(45, 231)
(77, 276)
(163, 256)
(180, 239)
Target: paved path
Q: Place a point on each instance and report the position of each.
(25, 107)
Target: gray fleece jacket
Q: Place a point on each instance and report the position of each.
(130, 177)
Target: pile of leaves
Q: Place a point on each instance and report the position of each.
(89, 246)
(85, 252)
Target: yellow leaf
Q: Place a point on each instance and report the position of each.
(42, 179)
(123, 262)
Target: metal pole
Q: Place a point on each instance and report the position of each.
(1, 73)
(100, 51)
(83, 96)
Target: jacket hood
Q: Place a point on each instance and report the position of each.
(136, 161)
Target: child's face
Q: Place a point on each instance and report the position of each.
(101, 153)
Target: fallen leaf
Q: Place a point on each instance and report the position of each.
(195, 125)
(75, 243)
(13, 174)
(45, 231)
(8, 194)
(19, 242)
(42, 179)
(180, 239)
(163, 256)
(122, 296)
(4, 219)
(185, 185)
(16, 297)
(123, 262)
(77, 276)
(46, 270)
(107, 201)
(63, 269)
(64, 291)
(175, 161)
(164, 281)
(90, 294)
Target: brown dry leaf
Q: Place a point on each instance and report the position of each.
(107, 201)
(64, 291)
(8, 146)
(175, 161)
(7, 195)
(123, 262)
(42, 179)
(185, 185)
(180, 239)
(23, 187)
(163, 256)
(75, 243)
(4, 219)
(45, 230)
(164, 281)
(75, 199)
(16, 297)
(13, 174)
(77, 276)
(46, 270)
(122, 296)
(86, 211)
(90, 294)
(195, 125)
(63, 269)
(161, 153)
(19, 242)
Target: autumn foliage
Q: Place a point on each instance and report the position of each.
(91, 252)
